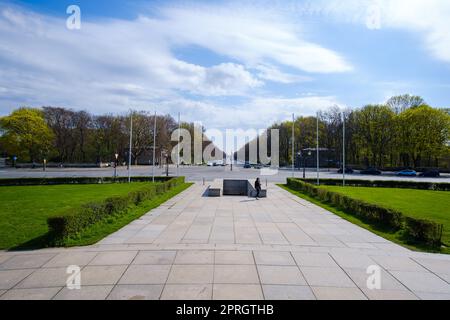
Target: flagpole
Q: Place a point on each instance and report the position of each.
(129, 151)
(343, 148)
(154, 148)
(178, 146)
(293, 147)
(317, 147)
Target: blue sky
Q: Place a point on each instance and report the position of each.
(226, 64)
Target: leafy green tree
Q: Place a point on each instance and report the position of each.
(375, 133)
(423, 133)
(26, 134)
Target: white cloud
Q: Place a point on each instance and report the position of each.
(113, 65)
(271, 73)
(429, 18)
(257, 113)
(248, 34)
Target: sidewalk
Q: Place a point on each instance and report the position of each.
(194, 247)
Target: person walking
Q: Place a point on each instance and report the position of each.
(258, 188)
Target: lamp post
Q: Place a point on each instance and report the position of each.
(304, 164)
(115, 165)
(167, 164)
(231, 161)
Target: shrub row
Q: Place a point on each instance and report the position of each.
(424, 231)
(75, 220)
(75, 180)
(441, 186)
(420, 230)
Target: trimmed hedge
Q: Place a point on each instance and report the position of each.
(441, 186)
(75, 180)
(423, 231)
(75, 220)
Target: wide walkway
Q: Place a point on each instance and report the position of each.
(194, 247)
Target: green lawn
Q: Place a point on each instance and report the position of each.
(24, 210)
(427, 204)
(422, 204)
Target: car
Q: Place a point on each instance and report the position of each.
(371, 171)
(407, 173)
(347, 170)
(430, 174)
(247, 165)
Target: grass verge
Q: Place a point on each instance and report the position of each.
(105, 227)
(24, 210)
(421, 204)
(394, 236)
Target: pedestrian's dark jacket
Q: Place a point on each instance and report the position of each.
(258, 185)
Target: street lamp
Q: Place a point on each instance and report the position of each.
(165, 154)
(231, 161)
(304, 164)
(115, 166)
(167, 164)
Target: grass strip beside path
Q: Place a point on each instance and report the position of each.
(103, 228)
(394, 236)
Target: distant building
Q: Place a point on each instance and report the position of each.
(308, 158)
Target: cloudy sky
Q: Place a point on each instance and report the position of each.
(227, 64)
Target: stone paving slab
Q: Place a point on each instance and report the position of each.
(30, 294)
(87, 293)
(187, 292)
(194, 247)
(136, 292)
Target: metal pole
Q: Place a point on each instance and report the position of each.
(129, 151)
(343, 148)
(178, 146)
(293, 147)
(154, 148)
(167, 165)
(317, 147)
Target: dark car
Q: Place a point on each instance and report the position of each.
(347, 170)
(247, 165)
(430, 174)
(371, 171)
(407, 173)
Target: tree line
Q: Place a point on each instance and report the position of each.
(63, 135)
(403, 132)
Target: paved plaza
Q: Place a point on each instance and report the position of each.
(195, 247)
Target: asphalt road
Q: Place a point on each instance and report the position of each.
(195, 173)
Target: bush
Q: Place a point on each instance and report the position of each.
(424, 231)
(419, 230)
(76, 180)
(442, 186)
(75, 220)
